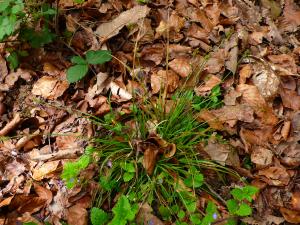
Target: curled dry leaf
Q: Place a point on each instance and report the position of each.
(49, 87)
(163, 78)
(131, 16)
(289, 153)
(153, 53)
(43, 193)
(275, 175)
(46, 168)
(290, 19)
(261, 156)
(150, 158)
(285, 61)
(181, 66)
(232, 48)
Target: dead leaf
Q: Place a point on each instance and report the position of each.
(245, 73)
(216, 61)
(131, 16)
(181, 66)
(11, 125)
(46, 168)
(3, 69)
(290, 19)
(150, 158)
(290, 215)
(120, 92)
(290, 98)
(43, 193)
(6, 201)
(232, 48)
(77, 215)
(289, 153)
(217, 151)
(207, 116)
(237, 112)
(261, 156)
(275, 175)
(162, 79)
(49, 87)
(209, 83)
(285, 61)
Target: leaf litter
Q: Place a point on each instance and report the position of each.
(251, 50)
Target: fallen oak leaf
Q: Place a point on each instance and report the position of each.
(43, 170)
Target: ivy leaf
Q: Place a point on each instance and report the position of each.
(77, 72)
(98, 57)
(78, 60)
(98, 216)
(244, 210)
(128, 176)
(123, 211)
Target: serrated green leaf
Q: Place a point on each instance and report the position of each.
(123, 211)
(77, 72)
(98, 216)
(98, 57)
(244, 210)
(78, 60)
(128, 176)
(249, 192)
(232, 206)
(237, 193)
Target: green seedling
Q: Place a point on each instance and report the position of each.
(81, 65)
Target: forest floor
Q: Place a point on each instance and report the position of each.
(195, 103)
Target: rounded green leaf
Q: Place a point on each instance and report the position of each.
(244, 210)
(98, 57)
(128, 176)
(77, 72)
(78, 60)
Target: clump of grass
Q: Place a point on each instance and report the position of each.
(177, 178)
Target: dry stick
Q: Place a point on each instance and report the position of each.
(11, 125)
(23, 141)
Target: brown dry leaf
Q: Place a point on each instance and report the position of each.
(289, 215)
(49, 87)
(43, 193)
(43, 170)
(6, 201)
(153, 53)
(131, 16)
(261, 156)
(29, 204)
(207, 116)
(237, 112)
(290, 19)
(252, 97)
(275, 175)
(197, 32)
(232, 48)
(162, 78)
(285, 61)
(149, 160)
(245, 73)
(12, 78)
(216, 61)
(295, 202)
(217, 151)
(97, 89)
(290, 98)
(77, 215)
(209, 83)
(120, 92)
(289, 153)
(69, 142)
(181, 66)
(259, 137)
(230, 98)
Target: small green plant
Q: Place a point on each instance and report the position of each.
(81, 65)
(239, 205)
(123, 212)
(73, 169)
(11, 15)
